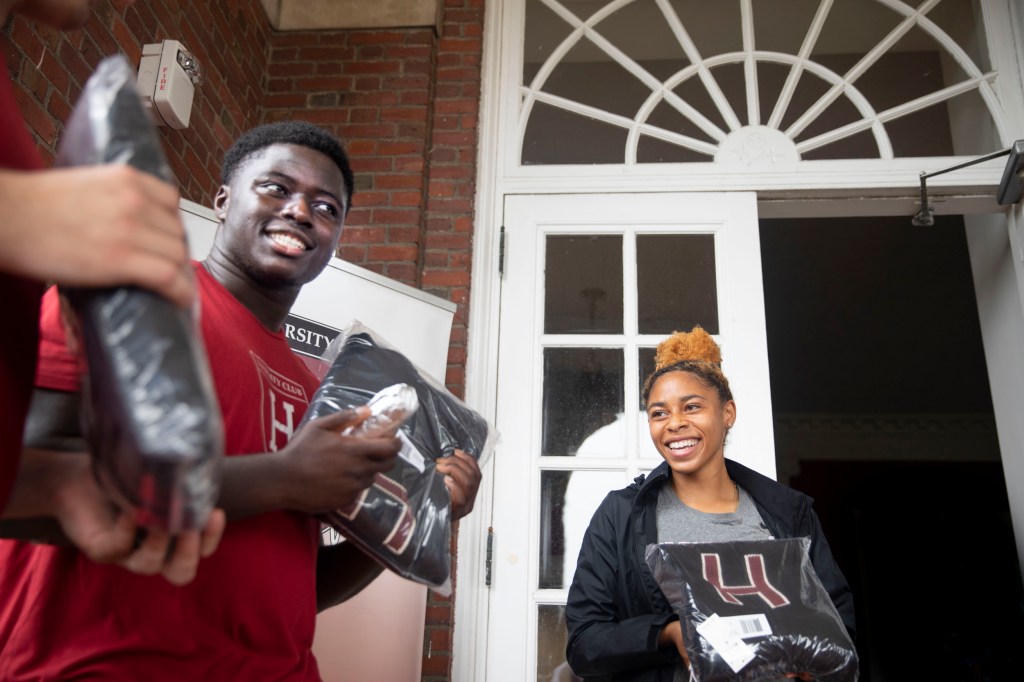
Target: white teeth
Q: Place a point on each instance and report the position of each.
(287, 240)
(682, 444)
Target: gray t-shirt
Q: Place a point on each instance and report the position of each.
(679, 523)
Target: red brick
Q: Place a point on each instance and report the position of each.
(413, 164)
(374, 99)
(287, 99)
(362, 235)
(402, 272)
(457, 74)
(416, 114)
(353, 254)
(324, 116)
(284, 54)
(359, 147)
(436, 665)
(392, 253)
(439, 615)
(376, 37)
(403, 147)
(321, 83)
(435, 259)
(440, 188)
(367, 83)
(454, 377)
(372, 67)
(369, 52)
(291, 69)
(445, 278)
(448, 240)
(406, 199)
(300, 39)
(454, 139)
(407, 51)
(326, 53)
(36, 117)
(58, 107)
(400, 216)
(398, 182)
(375, 131)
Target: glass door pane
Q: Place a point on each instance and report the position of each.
(676, 283)
(583, 392)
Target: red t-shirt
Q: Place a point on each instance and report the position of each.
(21, 302)
(249, 614)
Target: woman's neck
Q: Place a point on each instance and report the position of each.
(711, 491)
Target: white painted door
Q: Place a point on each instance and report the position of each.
(591, 284)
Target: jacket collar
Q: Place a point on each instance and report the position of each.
(766, 493)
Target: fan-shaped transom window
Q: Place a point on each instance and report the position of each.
(755, 82)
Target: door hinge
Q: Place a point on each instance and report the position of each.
(487, 562)
(501, 252)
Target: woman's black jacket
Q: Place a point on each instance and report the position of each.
(615, 610)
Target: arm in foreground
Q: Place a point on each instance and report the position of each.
(60, 484)
(98, 226)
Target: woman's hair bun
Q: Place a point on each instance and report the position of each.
(695, 344)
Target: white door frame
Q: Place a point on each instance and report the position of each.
(846, 189)
(730, 220)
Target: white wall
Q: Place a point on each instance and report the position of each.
(997, 262)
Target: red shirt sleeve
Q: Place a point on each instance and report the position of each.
(58, 369)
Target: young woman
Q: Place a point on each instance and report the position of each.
(620, 625)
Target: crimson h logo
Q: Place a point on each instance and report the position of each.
(758, 584)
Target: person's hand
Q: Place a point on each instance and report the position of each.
(462, 477)
(326, 470)
(95, 226)
(107, 535)
(672, 635)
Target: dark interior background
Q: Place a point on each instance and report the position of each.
(875, 317)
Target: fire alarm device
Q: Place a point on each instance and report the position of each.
(168, 76)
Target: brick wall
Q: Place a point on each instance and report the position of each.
(51, 67)
(405, 102)
(371, 89)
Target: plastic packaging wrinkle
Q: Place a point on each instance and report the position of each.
(404, 519)
(150, 413)
(762, 604)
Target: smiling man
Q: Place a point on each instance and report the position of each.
(250, 612)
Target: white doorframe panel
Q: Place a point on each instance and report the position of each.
(731, 218)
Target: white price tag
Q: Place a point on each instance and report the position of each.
(410, 453)
(749, 627)
(727, 642)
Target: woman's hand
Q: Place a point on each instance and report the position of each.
(672, 634)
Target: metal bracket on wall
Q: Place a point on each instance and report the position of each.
(490, 549)
(926, 216)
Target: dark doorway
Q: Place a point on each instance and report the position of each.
(883, 415)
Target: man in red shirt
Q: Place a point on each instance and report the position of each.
(99, 226)
(250, 612)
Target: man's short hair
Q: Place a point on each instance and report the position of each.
(288, 132)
